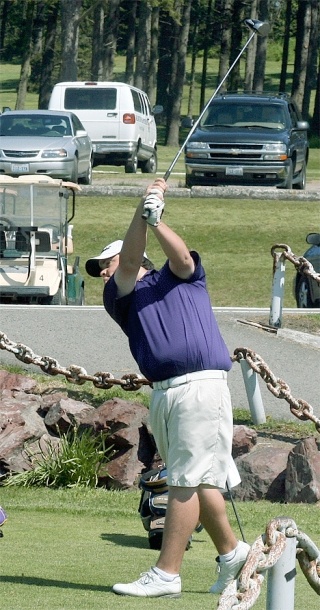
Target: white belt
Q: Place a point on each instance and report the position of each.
(172, 382)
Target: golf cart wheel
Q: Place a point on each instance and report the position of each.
(150, 166)
(303, 296)
(131, 164)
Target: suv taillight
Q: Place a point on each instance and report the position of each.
(129, 119)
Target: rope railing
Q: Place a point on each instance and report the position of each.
(133, 382)
(264, 553)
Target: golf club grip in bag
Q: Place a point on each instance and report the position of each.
(153, 505)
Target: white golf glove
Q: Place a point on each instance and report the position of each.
(153, 208)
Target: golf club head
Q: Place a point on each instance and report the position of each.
(262, 28)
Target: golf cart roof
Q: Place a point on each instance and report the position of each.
(39, 181)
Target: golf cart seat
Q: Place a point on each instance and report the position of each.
(3, 243)
(43, 241)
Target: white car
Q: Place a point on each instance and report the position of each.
(44, 142)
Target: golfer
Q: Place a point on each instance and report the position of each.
(175, 340)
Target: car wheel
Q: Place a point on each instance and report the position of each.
(303, 296)
(301, 185)
(150, 166)
(131, 164)
(87, 178)
(75, 174)
(189, 182)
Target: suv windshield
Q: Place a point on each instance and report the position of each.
(244, 115)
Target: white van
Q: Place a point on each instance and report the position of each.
(118, 119)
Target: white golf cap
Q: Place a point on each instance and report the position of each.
(92, 265)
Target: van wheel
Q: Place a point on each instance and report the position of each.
(131, 164)
(151, 165)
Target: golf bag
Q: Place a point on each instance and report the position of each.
(3, 518)
(153, 504)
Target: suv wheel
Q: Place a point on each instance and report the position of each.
(131, 164)
(150, 166)
(288, 183)
(301, 185)
(303, 296)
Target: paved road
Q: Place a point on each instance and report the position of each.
(86, 336)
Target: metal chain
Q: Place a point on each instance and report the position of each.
(73, 374)
(301, 264)
(132, 381)
(278, 387)
(242, 593)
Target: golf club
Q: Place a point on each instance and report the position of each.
(262, 28)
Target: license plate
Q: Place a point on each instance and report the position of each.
(234, 171)
(20, 168)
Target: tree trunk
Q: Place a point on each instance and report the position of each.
(131, 43)
(236, 41)
(97, 56)
(311, 71)
(143, 45)
(110, 38)
(206, 46)
(261, 55)
(151, 87)
(4, 22)
(315, 125)
(251, 53)
(225, 45)
(26, 45)
(285, 51)
(70, 19)
(301, 51)
(193, 64)
(48, 56)
(177, 89)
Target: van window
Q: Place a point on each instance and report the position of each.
(90, 99)
(136, 101)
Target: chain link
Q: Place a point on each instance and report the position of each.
(73, 374)
(278, 387)
(301, 264)
(241, 594)
(133, 382)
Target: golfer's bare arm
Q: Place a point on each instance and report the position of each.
(181, 262)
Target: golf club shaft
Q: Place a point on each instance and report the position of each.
(195, 125)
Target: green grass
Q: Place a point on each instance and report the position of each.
(234, 238)
(64, 549)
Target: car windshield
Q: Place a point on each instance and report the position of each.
(34, 125)
(244, 115)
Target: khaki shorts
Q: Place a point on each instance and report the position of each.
(193, 426)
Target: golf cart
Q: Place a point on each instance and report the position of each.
(36, 241)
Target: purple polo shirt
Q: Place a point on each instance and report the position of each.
(169, 323)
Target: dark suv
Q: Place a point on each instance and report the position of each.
(249, 139)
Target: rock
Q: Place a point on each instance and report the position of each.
(271, 470)
(303, 472)
(66, 413)
(262, 473)
(244, 439)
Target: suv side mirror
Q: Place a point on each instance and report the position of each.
(80, 133)
(187, 122)
(313, 238)
(157, 109)
(302, 125)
